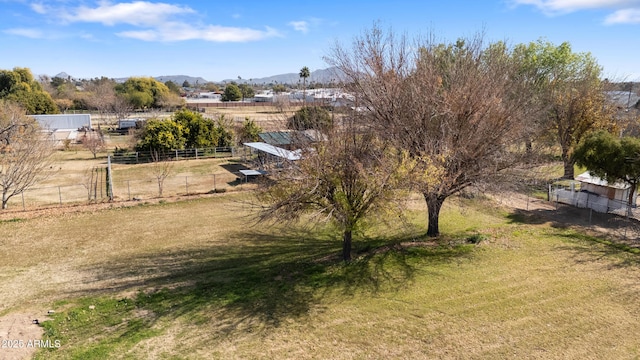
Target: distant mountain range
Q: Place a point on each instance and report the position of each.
(320, 76)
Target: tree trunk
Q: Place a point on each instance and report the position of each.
(632, 191)
(528, 144)
(434, 204)
(568, 165)
(5, 200)
(346, 245)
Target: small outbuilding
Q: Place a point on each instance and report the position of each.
(595, 185)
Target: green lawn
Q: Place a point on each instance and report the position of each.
(200, 280)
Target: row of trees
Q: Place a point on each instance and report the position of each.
(19, 86)
(111, 98)
(437, 118)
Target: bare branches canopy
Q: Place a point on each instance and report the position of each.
(24, 151)
(458, 109)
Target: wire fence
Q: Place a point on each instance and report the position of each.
(139, 157)
(589, 200)
(130, 190)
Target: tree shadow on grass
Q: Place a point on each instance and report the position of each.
(566, 216)
(258, 279)
(616, 252)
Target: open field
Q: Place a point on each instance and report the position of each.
(199, 279)
(69, 180)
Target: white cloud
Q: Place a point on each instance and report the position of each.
(182, 32)
(625, 16)
(39, 8)
(566, 6)
(29, 33)
(625, 11)
(139, 13)
(151, 21)
(301, 26)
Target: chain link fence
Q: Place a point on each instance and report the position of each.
(129, 190)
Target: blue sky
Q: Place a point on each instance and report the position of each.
(220, 40)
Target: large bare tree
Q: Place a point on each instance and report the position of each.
(101, 95)
(25, 152)
(458, 109)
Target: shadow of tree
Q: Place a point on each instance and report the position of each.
(257, 279)
(617, 253)
(568, 216)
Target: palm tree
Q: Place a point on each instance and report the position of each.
(304, 74)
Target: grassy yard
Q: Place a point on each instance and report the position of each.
(199, 280)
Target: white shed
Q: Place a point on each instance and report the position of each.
(593, 184)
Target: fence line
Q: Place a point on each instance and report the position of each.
(129, 189)
(589, 200)
(139, 157)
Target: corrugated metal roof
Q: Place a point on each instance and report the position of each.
(586, 177)
(274, 150)
(63, 121)
(276, 137)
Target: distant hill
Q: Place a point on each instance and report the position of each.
(179, 79)
(321, 76)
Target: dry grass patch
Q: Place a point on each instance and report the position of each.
(196, 279)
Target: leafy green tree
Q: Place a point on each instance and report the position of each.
(611, 158)
(143, 92)
(279, 88)
(173, 87)
(570, 91)
(211, 87)
(304, 74)
(246, 90)
(198, 131)
(232, 93)
(18, 85)
(161, 136)
(224, 131)
(249, 132)
(185, 84)
(310, 117)
(57, 81)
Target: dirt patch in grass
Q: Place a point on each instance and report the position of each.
(19, 336)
